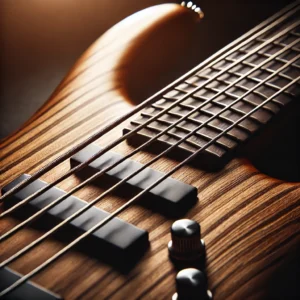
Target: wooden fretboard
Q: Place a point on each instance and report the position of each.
(206, 89)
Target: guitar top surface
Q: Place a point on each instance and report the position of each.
(227, 153)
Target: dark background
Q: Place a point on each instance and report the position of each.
(41, 40)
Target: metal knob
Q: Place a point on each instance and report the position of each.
(191, 284)
(186, 243)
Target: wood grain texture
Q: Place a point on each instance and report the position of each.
(249, 221)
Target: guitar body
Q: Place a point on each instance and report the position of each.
(249, 220)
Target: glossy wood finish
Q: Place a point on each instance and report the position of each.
(249, 221)
(36, 52)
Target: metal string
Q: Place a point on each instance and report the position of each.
(226, 107)
(98, 174)
(79, 212)
(135, 198)
(118, 121)
(82, 165)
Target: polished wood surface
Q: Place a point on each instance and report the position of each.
(249, 220)
(37, 52)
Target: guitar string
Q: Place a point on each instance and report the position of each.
(118, 121)
(57, 255)
(216, 54)
(79, 167)
(90, 204)
(55, 202)
(98, 174)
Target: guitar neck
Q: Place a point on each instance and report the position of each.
(248, 220)
(252, 83)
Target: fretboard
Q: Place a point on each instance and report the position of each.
(256, 75)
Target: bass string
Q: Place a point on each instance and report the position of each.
(198, 128)
(98, 174)
(53, 258)
(79, 212)
(282, 16)
(42, 211)
(55, 202)
(249, 113)
(116, 142)
(135, 151)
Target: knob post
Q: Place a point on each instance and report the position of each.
(186, 243)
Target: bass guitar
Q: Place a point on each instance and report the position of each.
(192, 193)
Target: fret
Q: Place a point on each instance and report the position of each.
(235, 108)
(272, 107)
(193, 143)
(219, 124)
(203, 136)
(196, 119)
(215, 100)
(270, 70)
(282, 76)
(263, 54)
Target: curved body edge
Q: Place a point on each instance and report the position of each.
(249, 221)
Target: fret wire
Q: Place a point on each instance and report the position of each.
(276, 43)
(201, 97)
(253, 103)
(269, 84)
(234, 97)
(264, 69)
(200, 110)
(197, 122)
(238, 110)
(259, 80)
(266, 55)
(224, 105)
(220, 117)
(168, 98)
(246, 63)
(244, 51)
(128, 203)
(82, 165)
(281, 16)
(200, 135)
(183, 128)
(294, 33)
(97, 199)
(269, 70)
(242, 112)
(231, 95)
(248, 101)
(176, 136)
(245, 88)
(252, 65)
(182, 89)
(44, 210)
(244, 128)
(254, 92)
(167, 123)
